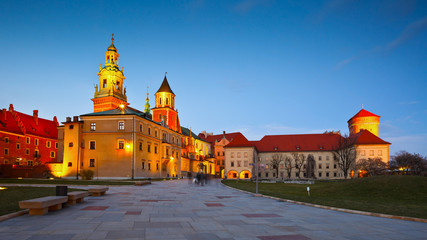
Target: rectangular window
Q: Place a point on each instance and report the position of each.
(36, 153)
(266, 174)
(149, 166)
(70, 164)
(320, 157)
(48, 144)
(104, 83)
(320, 166)
(371, 153)
(297, 174)
(30, 163)
(92, 145)
(121, 144)
(335, 174)
(239, 155)
(238, 163)
(232, 155)
(327, 174)
(6, 151)
(245, 154)
(218, 154)
(140, 127)
(362, 152)
(18, 146)
(149, 148)
(149, 131)
(28, 140)
(70, 144)
(27, 151)
(122, 125)
(245, 163)
(71, 126)
(155, 149)
(327, 157)
(157, 166)
(155, 133)
(143, 165)
(6, 140)
(140, 146)
(52, 154)
(335, 166)
(320, 174)
(232, 163)
(36, 142)
(56, 145)
(167, 152)
(92, 126)
(91, 162)
(380, 152)
(327, 166)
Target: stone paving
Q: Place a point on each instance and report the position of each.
(181, 210)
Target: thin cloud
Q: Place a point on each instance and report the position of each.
(410, 32)
(409, 103)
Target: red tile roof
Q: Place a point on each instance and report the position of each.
(20, 123)
(366, 137)
(241, 141)
(363, 113)
(219, 137)
(298, 142)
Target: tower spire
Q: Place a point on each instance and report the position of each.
(112, 38)
(147, 104)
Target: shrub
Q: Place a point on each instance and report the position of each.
(87, 174)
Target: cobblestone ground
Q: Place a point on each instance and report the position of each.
(181, 210)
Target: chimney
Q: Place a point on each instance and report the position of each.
(75, 118)
(4, 114)
(68, 119)
(55, 120)
(36, 116)
(11, 108)
(223, 133)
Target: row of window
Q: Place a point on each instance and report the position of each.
(28, 141)
(239, 163)
(239, 155)
(121, 126)
(92, 164)
(371, 152)
(27, 152)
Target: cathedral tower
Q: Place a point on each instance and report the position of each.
(110, 94)
(364, 120)
(164, 109)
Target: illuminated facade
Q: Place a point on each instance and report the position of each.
(110, 93)
(241, 154)
(196, 154)
(164, 110)
(117, 141)
(27, 140)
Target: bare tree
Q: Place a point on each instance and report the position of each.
(345, 153)
(275, 162)
(372, 166)
(288, 166)
(311, 167)
(299, 160)
(411, 163)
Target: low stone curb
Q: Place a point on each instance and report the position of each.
(334, 208)
(13, 215)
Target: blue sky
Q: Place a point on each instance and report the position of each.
(258, 67)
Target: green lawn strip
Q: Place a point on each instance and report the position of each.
(10, 196)
(66, 181)
(395, 195)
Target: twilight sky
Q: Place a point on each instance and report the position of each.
(254, 66)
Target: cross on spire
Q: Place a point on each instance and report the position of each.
(112, 38)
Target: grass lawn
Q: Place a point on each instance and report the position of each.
(10, 196)
(66, 181)
(396, 195)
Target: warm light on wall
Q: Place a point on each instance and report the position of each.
(122, 106)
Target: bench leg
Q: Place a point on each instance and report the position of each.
(55, 207)
(102, 193)
(79, 200)
(72, 202)
(96, 194)
(38, 211)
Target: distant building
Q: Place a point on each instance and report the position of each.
(217, 145)
(27, 140)
(243, 156)
(196, 155)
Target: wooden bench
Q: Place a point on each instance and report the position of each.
(40, 206)
(141, 183)
(97, 191)
(76, 197)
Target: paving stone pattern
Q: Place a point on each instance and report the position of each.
(179, 210)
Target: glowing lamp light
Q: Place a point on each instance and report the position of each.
(122, 106)
(2, 188)
(127, 146)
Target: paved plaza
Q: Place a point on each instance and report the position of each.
(181, 210)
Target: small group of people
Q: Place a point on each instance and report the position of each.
(201, 178)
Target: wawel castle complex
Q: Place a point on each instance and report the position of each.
(118, 141)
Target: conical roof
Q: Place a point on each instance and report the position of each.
(112, 48)
(165, 87)
(363, 113)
